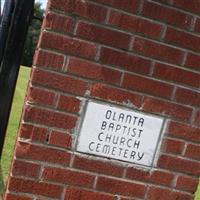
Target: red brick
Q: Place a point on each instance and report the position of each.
(158, 51)
(75, 193)
(197, 118)
(60, 139)
(32, 132)
(21, 168)
(167, 109)
(172, 146)
(179, 165)
(156, 177)
(192, 5)
(103, 35)
(197, 25)
(193, 151)
(16, 197)
(34, 187)
(135, 24)
(98, 166)
(187, 97)
(40, 96)
(146, 85)
(184, 131)
(161, 178)
(176, 75)
(69, 177)
(115, 95)
(125, 61)
(188, 184)
(69, 104)
(48, 60)
(59, 23)
(42, 153)
(138, 174)
(94, 71)
(68, 45)
(59, 82)
(125, 188)
(182, 39)
(193, 61)
(166, 15)
(49, 118)
(166, 194)
(81, 8)
(128, 5)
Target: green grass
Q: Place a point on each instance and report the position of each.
(14, 121)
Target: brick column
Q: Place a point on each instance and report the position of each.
(139, 55)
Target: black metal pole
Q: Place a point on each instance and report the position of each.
(22, 15)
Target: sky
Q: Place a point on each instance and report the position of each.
(43, 2)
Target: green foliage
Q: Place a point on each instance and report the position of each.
(33, 35)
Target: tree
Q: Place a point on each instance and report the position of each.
(33, 35)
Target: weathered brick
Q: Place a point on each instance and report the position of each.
(158, 51)
(59, 22)
(167, 108)
(187, 183)
(135, 24)
(103, 35)
(98, 166)
(176, 75)
(21, 168)
(33, 133)
(125, 188)
(156, 193)
(49, 118)
(9, 196)
(68, 45)
(184, 131)
(197, 25)
(193, 61)
(179, 165)
(81, 194)
(93, 71)
(42, 153)
(69, 104)
(128, 5)
(172, 146)
(60, 139)
(125, 61)
(81, 8)
(166, 15)
(49, 60)
(67, 176)
(146, 85)
(182, 39)
(193, 151)
(156, 177)
(197, 118)
(192, 5)
(40, 96)
(59, 82)
(115, 95)
(35, 187)
(187, 97)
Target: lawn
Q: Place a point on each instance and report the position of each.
(14, 123)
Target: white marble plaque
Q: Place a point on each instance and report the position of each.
(120, 134)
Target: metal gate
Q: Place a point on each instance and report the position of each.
(14, 23)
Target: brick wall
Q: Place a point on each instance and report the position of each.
(140, 54)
